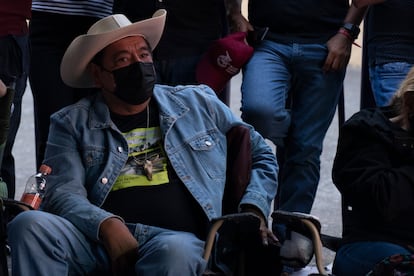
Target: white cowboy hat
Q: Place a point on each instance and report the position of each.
(83, 48)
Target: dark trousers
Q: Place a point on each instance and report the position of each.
(50, 35)
(181, 71)
(7, 164)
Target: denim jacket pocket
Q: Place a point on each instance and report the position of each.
(93, 156)
(207, 147)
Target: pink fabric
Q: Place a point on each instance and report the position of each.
(223, 60)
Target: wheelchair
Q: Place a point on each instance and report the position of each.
(233, 246)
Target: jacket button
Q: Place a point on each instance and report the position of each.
(104, 180)
(208, 143)
(120, 149)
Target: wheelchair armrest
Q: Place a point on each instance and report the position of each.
(19, 206)
(331, 242)
(295, 218)
(246, 221)
(10, 208)
(328, 241)
(306, 231)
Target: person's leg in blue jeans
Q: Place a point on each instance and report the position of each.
(278, 71)
(315, 96)
(265, 87)
(359, 258)
(45, 244)
(275, 71)
(166, 252)
(386, 79)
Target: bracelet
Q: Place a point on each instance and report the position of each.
(348, 35)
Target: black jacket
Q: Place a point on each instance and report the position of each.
(374, 171)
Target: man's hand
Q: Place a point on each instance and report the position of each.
(238, 23)
(339, 53)
(120, 245)
(266, 234)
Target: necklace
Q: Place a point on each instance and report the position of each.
(146, 164)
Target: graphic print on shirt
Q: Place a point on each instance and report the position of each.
(144, 144)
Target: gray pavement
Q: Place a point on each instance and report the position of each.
(327, 203)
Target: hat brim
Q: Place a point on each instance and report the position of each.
(80, 52)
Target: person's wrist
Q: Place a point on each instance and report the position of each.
(248, 208)
(352, 29)
(109, 226)
(346, 33)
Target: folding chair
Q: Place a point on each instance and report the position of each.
(238, 230)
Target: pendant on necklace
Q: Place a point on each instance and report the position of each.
(148, 169)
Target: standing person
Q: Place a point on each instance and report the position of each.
(53, 26)
(6, 95)
(390, 42)
(373, 170)
(137, 170)
(14, 67)
(191, 27)
(301, 52)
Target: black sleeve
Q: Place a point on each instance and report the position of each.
(371, 175)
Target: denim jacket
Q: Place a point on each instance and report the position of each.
(86, 152)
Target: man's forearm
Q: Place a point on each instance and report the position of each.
(355, 15)
(233, 6)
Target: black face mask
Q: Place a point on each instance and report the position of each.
(135, 82)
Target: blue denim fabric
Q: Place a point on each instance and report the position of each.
(360, 257)
(279, 70)
(7, 165)
(386, 79)
(46, 244)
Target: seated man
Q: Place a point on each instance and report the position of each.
(137, 170)
(373, 170)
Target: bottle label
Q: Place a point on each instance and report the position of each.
(33, 200)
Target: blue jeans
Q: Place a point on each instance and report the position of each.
(278, 71)
(7, 165)
(46, 244)
(386, 79)
(359, 258)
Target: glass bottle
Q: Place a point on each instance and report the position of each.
(35, 188)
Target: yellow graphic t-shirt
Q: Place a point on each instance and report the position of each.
(144, 147)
